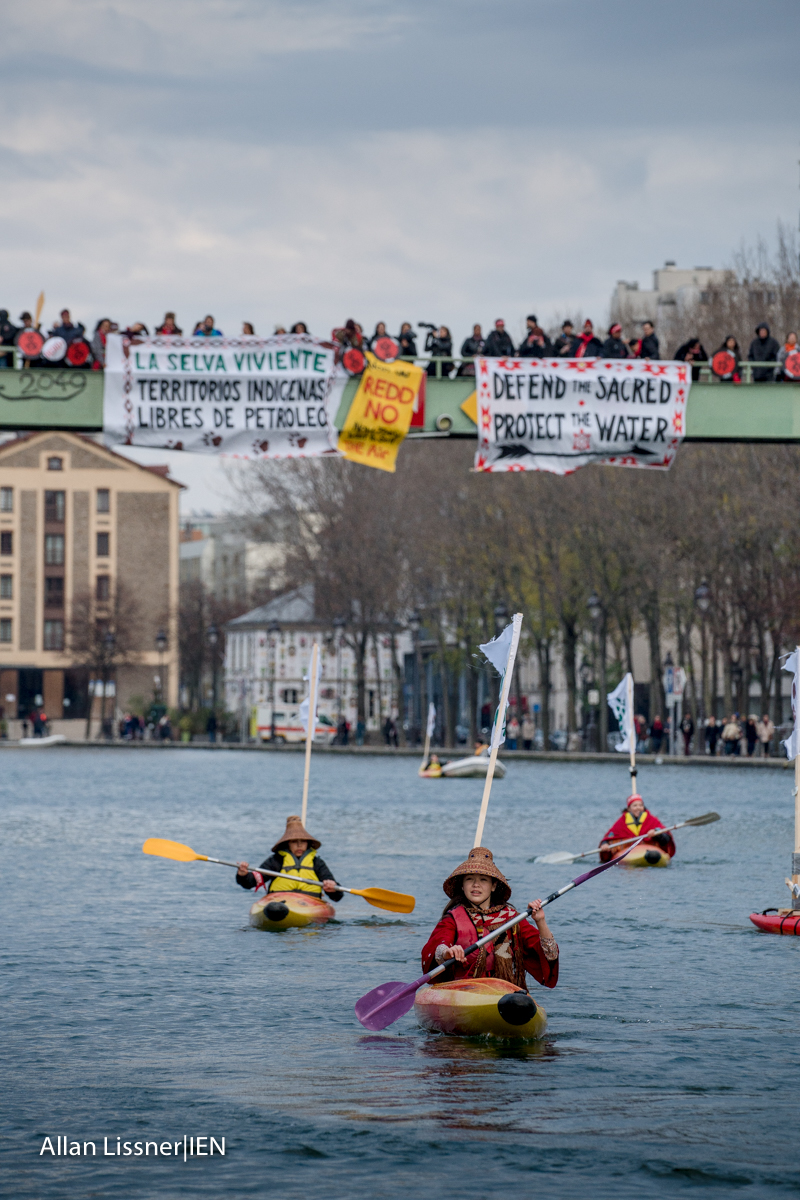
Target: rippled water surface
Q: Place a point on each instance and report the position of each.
(136, 1002)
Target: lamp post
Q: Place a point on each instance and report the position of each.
(109, 642)
(669, 670)
(161, 645)
(598, 616)
(212, 636)
(585, 674)
(273, 629)
(702, 598)
(338, 625)
(414, 624)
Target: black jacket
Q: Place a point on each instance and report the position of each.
(649, 347)
(682, 351)
(471, 347)
(498, 345)
(70, 333)
(594, 347)
(530, 348)
(408, 344)
(275, 863)
(763, 350)
(614, 347)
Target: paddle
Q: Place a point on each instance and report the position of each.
(377, 897)
(563, 856)
(385, 1004)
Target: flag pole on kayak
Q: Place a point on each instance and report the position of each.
(620, 701)
(564, 856)
(377, 897)
(501, 652)
(429, 728)
(632, 734)
(384, 1004)
(310, 720)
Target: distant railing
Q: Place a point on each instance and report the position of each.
(704, 367)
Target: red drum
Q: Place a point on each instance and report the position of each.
(723, 363)
(792, 365)
(78, 353)
(30, 343)
(354, 361)
(54, 349)
(386, 349)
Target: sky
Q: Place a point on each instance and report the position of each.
(426, 160)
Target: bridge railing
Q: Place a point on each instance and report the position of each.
(706, 373)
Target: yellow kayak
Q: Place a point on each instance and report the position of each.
(289, 910)
(475, 1007)
(646, 856)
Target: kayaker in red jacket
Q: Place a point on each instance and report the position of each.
(295, 853)
(634, 821)
(479, 895)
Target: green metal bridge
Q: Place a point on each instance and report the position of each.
(69, 398)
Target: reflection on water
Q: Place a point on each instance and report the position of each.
(131, 1004)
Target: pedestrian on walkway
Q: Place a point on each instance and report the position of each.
(766, 732)
(712, 735)
(687, 729)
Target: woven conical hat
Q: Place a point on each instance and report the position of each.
(479, 862)
(295, 832)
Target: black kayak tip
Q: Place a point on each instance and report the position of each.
(516, 1008)
(652, 856)
(276, 911)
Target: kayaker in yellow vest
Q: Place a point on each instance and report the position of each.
(295, 853)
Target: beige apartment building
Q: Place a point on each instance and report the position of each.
(79, 526)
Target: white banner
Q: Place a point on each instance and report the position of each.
(560, 414)
(620, 701)
(248, 397)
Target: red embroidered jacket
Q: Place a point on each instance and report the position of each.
(448, 933)
(627, 827)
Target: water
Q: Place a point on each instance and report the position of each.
(137, 1002)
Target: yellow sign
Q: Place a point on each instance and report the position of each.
(470, 407)
(380, 414)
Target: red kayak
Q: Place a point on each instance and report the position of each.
(773, 921)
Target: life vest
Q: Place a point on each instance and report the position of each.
(632, 824)
(303, 868)
(468, 936)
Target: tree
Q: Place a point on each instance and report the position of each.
(101, 637)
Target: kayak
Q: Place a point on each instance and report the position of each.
(476, 1007)
(646, 856)
(474, 767)
(289, 910)
(434, 772)
(777, 921)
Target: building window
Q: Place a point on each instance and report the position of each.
(54, 549)
(54, 592)
(6, 499)
(102, 545)
(54, 507)
(55, 464)
(103, 589)
(6, 542)
(6, 587)
(103, 500)
(54, 635)
(5, 629)
(289, 696)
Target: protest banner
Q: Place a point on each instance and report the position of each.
(561, 414)
(381, 413)
(248, 397)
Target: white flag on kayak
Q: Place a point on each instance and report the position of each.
(620, 701)
(305, 705)
(792, 663)
(501, 652)
(431, 720)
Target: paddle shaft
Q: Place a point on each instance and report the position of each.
(501, 710)
(312, 721)
(275, 874)
(626, 841)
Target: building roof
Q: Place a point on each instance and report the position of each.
(7, 449)
(292, 608)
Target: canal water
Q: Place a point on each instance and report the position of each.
(137, 1003)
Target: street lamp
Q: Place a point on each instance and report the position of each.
(702, 598)
(212, 636)
(595, 608)
(161, 645)
(273, 629)
(415, 624)
(597, 615)
(109, 642)
(500, 617)
(338, 625)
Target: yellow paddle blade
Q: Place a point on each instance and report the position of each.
(175, 850)
(381, 898)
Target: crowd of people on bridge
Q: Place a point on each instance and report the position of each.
(68, 343)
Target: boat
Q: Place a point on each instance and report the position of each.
(777, 920)
(480, 1007)
(290, 910)
(474, 767)
(645, 855)
(53, 739)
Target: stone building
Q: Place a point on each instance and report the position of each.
(77, 521)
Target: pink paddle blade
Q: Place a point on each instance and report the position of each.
(383, 1005)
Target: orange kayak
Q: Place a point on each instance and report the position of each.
(289, 910)
(477, 1007)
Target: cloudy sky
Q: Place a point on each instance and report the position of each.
(436, 160)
